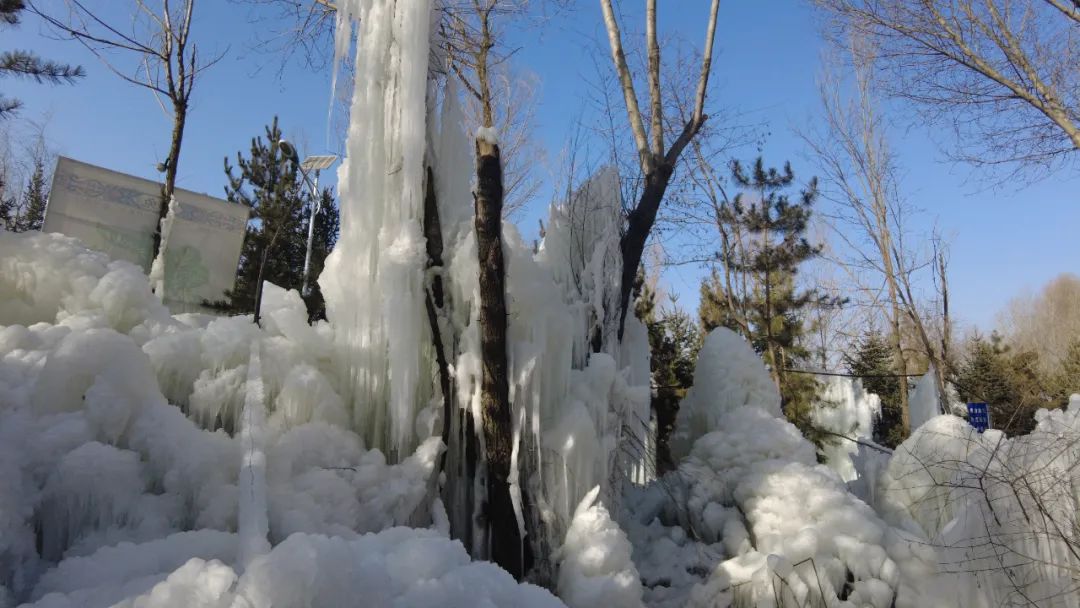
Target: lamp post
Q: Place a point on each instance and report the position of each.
(312, 163)
(316, 163)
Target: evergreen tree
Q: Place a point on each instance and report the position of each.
(1067, 381)
(36, 195)
(276, 239)
(713, 309)
(27, 64)
(775, 227)
(8, 208)
(874, 364)
(674, 341)
(1009, 383)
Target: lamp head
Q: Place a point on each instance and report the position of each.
(288, 151)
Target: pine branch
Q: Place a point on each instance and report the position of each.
(8, 107)
(9, 11)
(23, 63)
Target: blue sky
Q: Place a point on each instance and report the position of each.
(768, 54)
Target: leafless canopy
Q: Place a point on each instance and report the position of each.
(169, 61)
(1005, 74)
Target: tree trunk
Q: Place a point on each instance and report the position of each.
(435, 300)
(897, 343)
(503, 532)
(639, 225)
(179, 118)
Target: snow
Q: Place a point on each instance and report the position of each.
(405, 567)
(487, 135)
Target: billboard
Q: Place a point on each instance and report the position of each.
(116, 213)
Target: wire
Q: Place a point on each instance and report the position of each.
(807, 371)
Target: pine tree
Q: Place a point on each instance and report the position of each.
(34, 199)
(674, 341)
(27, 64)
(8, 207)
(775, 228)
(874, 364)
(1067, 381)
(1009, 383)
(276, 239)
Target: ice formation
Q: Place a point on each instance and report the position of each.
(93, 453)
(924, 403)
(1000, 512)
(729, 375)
(751, 519)
(157, 267)
(847, 411)
(571, 409)
(159, 425)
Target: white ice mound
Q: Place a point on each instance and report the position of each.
(728, 375)
(595, 567)
(400, 567)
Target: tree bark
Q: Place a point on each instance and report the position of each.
(435, 300)
(179, 119)
(639, 225)
(497, 423)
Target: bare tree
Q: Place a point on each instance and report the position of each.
(657, 163)
(1047, 322)
(856, 160)
(168, 61)
(513, 111)
(1003, 73)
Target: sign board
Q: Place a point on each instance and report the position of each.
(979, 416)
(117, 214)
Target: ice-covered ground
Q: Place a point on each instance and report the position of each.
(123, 447)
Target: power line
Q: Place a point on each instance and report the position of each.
(807, 371)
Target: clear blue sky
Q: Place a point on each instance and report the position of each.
(1002, 241)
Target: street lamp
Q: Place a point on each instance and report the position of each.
(314, 163)
(311, 163)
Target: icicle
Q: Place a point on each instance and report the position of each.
(252, 515)
(373, 281)
(157, 268)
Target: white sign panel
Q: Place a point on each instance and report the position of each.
(117, 213)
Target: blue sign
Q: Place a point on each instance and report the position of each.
(979, 416)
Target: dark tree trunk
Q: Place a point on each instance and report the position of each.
(179, 118)
(503, 532)
(639, 225)
(434, 300)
